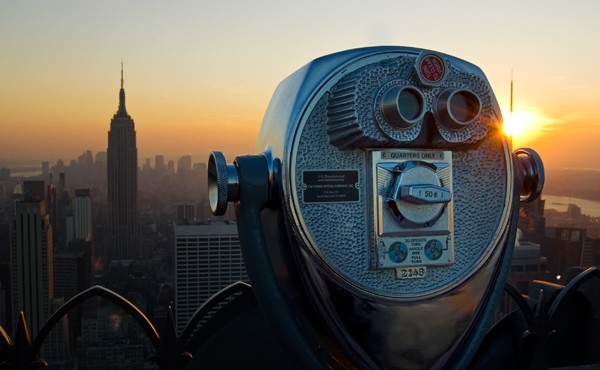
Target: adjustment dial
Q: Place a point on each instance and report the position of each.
(416, 196)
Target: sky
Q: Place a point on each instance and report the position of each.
(199, 75)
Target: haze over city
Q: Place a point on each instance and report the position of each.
(399, 232)
(199, 76)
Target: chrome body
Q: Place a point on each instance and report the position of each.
(413, 323)
(392, 195)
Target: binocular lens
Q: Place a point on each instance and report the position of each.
(457, 108)
(410, 104)
(464, 106)
(402, 106)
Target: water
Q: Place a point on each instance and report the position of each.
(19, 172)
(560, 203)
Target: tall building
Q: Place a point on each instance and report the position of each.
(31, 263)
(100, 157)
(532, 221)
(186, 213)
(208, 258)
(82, 211)
(64, 215)
(563, 247)
(184, 164)
(171, 167)
(527, 265)
(159, 164)
(147, 166)
(34, 189)
(52, 206)
(122, 240)
(72, 275)
(111, 339)
(3, 310)
(45, 169)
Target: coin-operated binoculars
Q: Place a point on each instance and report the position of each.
(378, 220)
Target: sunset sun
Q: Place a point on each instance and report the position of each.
(521, 125)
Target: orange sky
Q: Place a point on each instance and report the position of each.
(199, 78)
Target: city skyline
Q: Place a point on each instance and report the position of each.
(200, 78)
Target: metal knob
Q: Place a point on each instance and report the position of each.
(417, 197)
(223, 183)
(533, 174)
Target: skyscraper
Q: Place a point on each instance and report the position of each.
(31, 262)
(208, 258)
(186, 213)
(184, 165)
(159, 164)
(32, 272)
(122, 241)
(82, 210)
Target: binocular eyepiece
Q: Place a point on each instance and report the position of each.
(383, 202)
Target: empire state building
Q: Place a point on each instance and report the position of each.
(122, 241)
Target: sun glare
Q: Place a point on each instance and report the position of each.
(520, 124)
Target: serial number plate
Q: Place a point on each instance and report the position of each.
(411, 272)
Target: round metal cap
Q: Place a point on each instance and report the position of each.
(223, 183)
(533, 174)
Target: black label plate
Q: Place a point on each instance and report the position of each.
(330, 186)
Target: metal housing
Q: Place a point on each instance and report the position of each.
(319, 135)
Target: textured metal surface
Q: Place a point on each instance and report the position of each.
(355, 120)
(327, 117)
(338, 233)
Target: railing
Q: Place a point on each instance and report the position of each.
(171, 352)
(544, 338)
(556, 326)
